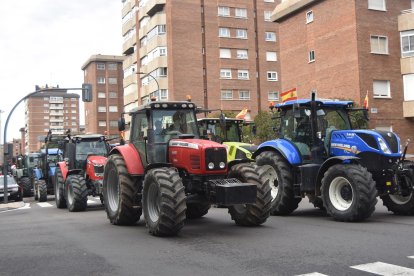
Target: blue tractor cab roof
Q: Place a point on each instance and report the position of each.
(321, 102)
(52, 151)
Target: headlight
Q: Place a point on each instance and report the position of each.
(383, 146)
(222, 165)
(211, 165)
(15, 189)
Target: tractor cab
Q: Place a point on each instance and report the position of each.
(155, 124)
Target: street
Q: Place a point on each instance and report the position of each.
(44, 240)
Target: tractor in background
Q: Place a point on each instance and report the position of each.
(23, 173)
(81, 171)
(168, 173)
(324, 154)
(44, 173)
(228, 131)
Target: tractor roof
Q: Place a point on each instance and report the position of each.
(52, 151)
(165, 105)
(88, 136)
(321, 102)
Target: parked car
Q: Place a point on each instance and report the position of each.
(14, 191)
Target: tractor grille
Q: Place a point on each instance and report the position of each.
(215, 155)
(391, 140)
(195, 162)
(369, 139)
(98, 169)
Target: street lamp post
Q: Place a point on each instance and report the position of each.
(147, 74)
(86, 96)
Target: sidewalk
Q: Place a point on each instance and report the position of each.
(11, 205)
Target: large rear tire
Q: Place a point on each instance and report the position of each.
(197, 210)
(59, 189)
(279, 173)
(27, 186)
(164, 202)
(121, 192)
(251, 214)
(349, 192)
(76, 193)
(399, 204)
(41, 191)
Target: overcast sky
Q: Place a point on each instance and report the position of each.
(46, 42)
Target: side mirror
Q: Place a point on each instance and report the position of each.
(87, 92)
(121, 124)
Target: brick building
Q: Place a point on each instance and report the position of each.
(223, 53)
(54, 110)
(348, 48)
(105, 74)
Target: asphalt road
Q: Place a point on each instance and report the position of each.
(44, 240)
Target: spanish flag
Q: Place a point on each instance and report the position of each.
(289, 95)
(366, 101)
(242, 114)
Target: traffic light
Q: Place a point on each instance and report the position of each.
(87, 92)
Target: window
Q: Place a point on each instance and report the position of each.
(271, 76)
(100, 66)
(113, 123)
(46, 117)
(45, 111)
(164, 95)
(73, 105)
(241, 13)
(162, 71)
(224, 32)
(225, 73)
(270, 36)
(225, 53)
(381, 89)
(376, 5)
(309, 17)
(73, 99)
(45, 105)
(113, 95)
(112, 80)
(271, 56)
(408, 87)
(102, 123)
(311, 56)
(244, 95)
(101, 80)
(273, 96)
(46, 123)
(243, 74)
(46, 98)
(223, 11)
(112, 66)
(101, 95)
(270, 1)
(73, 123)
(113, 108)
(267, 15)
(407, 43)
(241, 33)
(226, 94)
(101, 108)
(379, 44)
(73, 110)
(73, 117)
(242, 54)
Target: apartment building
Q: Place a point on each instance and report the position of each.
(347, 49)
(55, 110)
(105, 74)
(223, 53)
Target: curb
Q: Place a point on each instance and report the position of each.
(11, 206)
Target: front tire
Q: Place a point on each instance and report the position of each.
(251, 214)
(164, 202)
(35, 194)
(27, 186)
(76, 193)
(279, 173)
(41, 191)
(349, 192)
(59, 189)
(121, 193)
(399, 204)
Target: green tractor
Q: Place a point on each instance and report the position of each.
(24, 172)
(228, 131)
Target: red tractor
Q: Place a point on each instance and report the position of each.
(168, 173)
(80, 173)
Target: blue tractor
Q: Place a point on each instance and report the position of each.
(44, 173)
(323, 153)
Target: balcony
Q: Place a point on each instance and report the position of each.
(154, 6)
(60, 120)
(406, 20)
(289, 7)
(408, 109)
(54, 113)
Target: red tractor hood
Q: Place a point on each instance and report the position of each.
(194, 143)
(97, 160)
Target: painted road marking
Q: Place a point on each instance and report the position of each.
(44, 204)
(384, 269)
